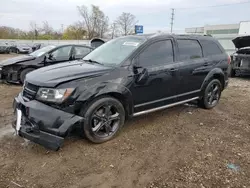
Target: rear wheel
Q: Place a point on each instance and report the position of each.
(104, 117)
(24, 73)
(211, 95)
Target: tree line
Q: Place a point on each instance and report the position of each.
(94, 23)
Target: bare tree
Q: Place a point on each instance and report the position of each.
(95, 21)
(33, 29)
(46, 28)
(126, 23)
(114, 30)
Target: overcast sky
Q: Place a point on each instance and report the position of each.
(154, 15)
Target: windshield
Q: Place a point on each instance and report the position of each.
(42, 51)
(115, 51)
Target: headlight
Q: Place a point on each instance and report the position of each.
(54, 95)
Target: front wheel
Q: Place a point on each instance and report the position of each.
(104, 117)
(211, 95)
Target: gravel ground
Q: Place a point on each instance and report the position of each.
(180, 147)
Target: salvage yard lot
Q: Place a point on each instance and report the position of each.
(183, 146)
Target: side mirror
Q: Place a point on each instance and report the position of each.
(142, 75)
(48, 58)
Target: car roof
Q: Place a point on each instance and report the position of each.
(61, 45)
(184, 36)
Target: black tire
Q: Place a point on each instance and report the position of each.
(93, 118)
(23, 74)
(232, 73)
(211, 96)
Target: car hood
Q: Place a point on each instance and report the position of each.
(17, 59)
(241, 42)
(54, 75)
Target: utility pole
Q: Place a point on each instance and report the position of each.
(172, 20)
(62, 31)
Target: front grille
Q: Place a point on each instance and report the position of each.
(29, 91)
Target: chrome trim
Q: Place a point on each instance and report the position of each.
(168, 98)
(29, 90)
(163, 107)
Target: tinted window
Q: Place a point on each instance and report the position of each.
(158, 53)
(189, 49)
(62, 52)
(81, 51)
(210, 48)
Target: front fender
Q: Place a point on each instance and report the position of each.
(214, 73)
(113, 89)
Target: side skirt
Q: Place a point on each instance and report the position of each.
(164, 107)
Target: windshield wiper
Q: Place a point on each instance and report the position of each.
(92, 61)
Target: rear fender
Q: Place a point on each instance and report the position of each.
(213, 74)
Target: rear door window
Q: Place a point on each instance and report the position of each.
(210, 48)
(189, 49)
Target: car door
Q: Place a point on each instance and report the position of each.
(191, 63)
(158, 60)
(61, 54)
(80, 52)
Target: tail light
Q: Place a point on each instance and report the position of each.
(229, 60)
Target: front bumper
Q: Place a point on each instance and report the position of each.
(9, 76)
(43, 124)
(25, 51)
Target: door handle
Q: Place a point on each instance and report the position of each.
(173, 69)
(206, 64)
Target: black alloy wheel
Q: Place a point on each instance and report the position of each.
(211, 95)
(103, 118)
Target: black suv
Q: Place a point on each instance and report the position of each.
(125, 77)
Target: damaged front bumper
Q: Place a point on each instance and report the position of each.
(43, 124)
(10, 76)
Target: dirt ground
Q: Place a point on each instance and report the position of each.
(179, 147)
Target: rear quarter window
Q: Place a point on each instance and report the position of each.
(210, 48)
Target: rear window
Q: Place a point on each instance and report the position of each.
(210, 48)
(189, 49)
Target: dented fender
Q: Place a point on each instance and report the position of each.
(114, 89)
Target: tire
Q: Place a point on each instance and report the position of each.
(209, 92)
(94, 126)
(232, 73)
(24, 73)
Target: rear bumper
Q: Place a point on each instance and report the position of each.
(43, 124)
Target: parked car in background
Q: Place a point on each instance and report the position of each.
(4, 48)
(15, 69)
(22, 49)
(124, 77)
(241, 58)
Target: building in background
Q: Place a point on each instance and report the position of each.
(225, 33)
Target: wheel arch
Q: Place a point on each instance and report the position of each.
(214, 74)
(121, 93)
